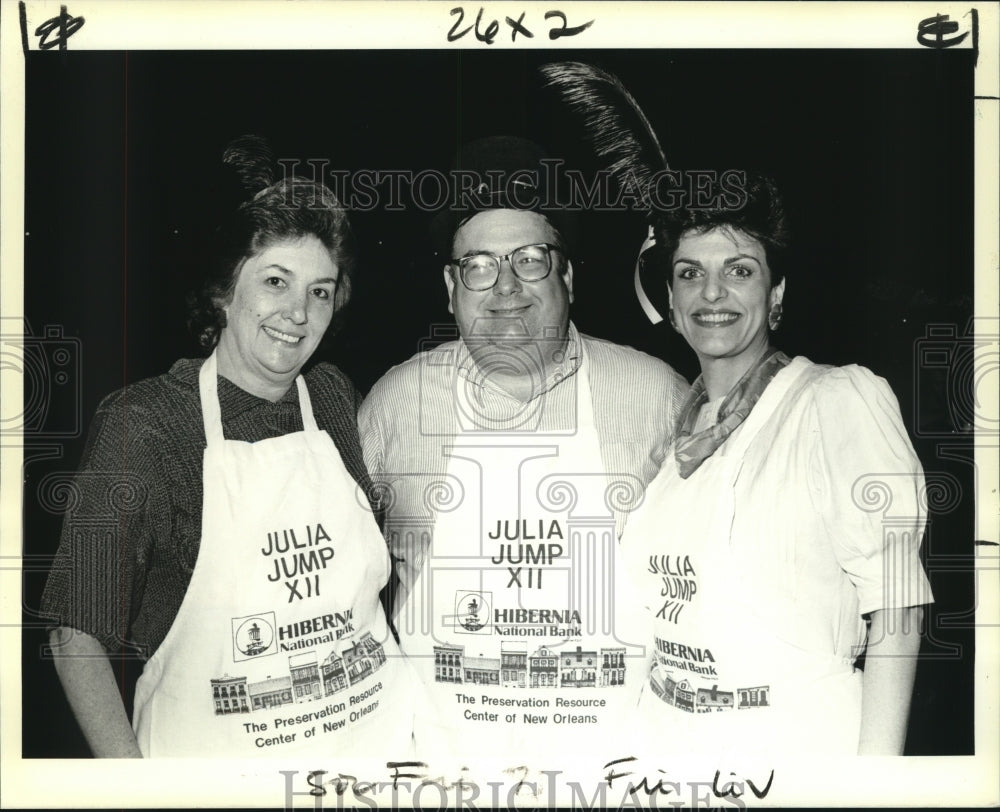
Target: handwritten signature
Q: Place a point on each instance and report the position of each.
(526, 784)
(721, 788)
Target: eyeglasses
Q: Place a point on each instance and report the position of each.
(530, 263)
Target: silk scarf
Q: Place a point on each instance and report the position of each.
(691, 450)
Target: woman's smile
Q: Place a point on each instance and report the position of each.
(721, 294)
(281, 306)
(714, 318)
(278, 335)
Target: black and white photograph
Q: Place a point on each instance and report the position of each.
(425, 405)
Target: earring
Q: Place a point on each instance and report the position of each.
(774, 316)
(671, 319)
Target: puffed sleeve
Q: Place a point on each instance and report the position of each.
(867, 485)
(113, 507)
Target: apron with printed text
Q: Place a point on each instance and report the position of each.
(280, 645)
(513, 623)
(724, 678)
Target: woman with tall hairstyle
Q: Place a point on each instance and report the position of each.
(760, 548)
(247, 565)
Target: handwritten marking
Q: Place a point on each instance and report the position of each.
(517, 27)
(22, 12)
(566, 30)
(486, 36)
(487, 31)
(932, 30)
(66, 25)
(653, 785)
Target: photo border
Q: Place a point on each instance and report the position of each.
(309, 25)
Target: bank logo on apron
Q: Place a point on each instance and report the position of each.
(473, 612)
(253, 636)
(687, 676)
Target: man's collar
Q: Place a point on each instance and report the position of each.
(566, 363)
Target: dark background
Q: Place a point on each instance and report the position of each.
(873, 150)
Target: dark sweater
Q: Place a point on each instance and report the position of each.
(133, 521)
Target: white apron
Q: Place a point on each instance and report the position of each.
(724, 681)
(280, 645)
(513, 624)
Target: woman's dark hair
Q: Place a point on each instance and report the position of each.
(289, 209)
(758, 212)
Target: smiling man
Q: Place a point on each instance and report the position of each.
(510, 286)
(510, 458)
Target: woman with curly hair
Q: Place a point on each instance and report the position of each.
(766, 570)
(248, 564)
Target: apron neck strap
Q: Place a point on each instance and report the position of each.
(308, 421)
(584, 394)
(208, 388)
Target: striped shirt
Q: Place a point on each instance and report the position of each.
(410, 417)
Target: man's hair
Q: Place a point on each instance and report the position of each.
(513, 175)
(560, 240)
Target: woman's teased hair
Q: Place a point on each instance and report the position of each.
(762, 216)
(286, 209)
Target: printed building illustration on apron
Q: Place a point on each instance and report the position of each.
(307, 679)
(280, 645)
(517, 623)
(548, 669)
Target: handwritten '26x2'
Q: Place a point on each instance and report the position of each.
(489, 33)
